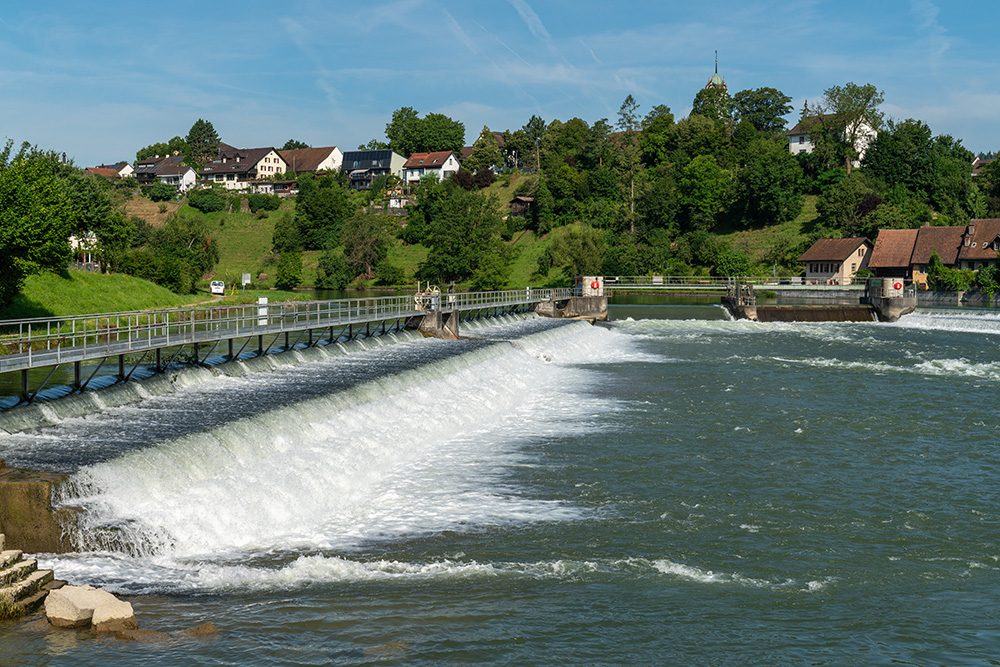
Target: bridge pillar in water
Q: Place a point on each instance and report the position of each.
(436, 324)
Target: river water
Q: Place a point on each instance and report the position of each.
(674, 488)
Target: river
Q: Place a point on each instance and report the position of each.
(673, 488)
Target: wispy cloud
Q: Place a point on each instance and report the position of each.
(531, 19)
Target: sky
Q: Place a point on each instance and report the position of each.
(99, 81)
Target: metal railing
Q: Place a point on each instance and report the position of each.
(621, 282)
(28, 343)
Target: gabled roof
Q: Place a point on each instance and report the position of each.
(379, 159)
(118, 166)
(981, 235)
(978, 164)
(945, 240)
(104, 171)
(893, 248)
(434, 160)
(172, 165)
(232, 160)
(834, 250)
(306, 159)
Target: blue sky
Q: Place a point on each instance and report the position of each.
(101, 80)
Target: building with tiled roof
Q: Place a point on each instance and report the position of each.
(239, 168)
(945, 241)
(978, 164)
(170, 170)
(836, 261)
(442, 163)
(980, 244)
(313, 160)
(893, 250)
(123, 169)
(103, 171)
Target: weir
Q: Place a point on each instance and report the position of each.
(883, 300)
(283, 435)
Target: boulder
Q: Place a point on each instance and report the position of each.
(80, 606)
(113, 615)
(202, 630)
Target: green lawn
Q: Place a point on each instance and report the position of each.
(83, 292)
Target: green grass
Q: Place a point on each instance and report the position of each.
(244, 241)
(83, 292)
(756, 242)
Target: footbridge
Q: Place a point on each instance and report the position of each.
(721, 284)
(154, 339)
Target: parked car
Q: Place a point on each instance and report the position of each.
(217, 287)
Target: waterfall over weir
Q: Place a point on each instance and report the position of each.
(410, 453)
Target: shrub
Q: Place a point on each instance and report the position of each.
(262, 202)
(289, 272)
(206, 201)
(332, 271)
(162, 192)
(388, 273)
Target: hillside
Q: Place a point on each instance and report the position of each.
(83, 292)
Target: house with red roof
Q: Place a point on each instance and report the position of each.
(313, 160)
(442, 163)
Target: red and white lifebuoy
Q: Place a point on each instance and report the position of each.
(897, 285)
(595, 285)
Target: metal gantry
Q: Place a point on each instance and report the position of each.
(50, 342)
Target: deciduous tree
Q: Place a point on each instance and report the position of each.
(764, 108)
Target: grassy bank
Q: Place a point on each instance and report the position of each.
(83, 292)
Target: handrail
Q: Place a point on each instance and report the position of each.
(613, 282)
(71, 338)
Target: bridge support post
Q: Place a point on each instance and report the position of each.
(76, 374)
(121, 367)
(260, 345)
(286, 341)
(229, 357)
(159, 360)
(25, 393)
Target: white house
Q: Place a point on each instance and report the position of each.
(442, 163)
(800, 141)
(312, 160)
(238, 168)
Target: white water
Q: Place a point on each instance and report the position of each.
(410, 455)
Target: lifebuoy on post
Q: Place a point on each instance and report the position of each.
(595, 285)
(897, 285)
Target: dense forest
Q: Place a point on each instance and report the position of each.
(641, 193)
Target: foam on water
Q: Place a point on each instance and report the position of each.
(417, 453)
(966, 320)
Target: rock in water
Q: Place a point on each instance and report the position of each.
(112, 616)
(80, 606)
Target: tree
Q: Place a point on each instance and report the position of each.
(764, 108)
(366, 239)
(206, 201)
(703, 190)
(332, 271)
(655, 137)
(628, 124)
(485, 152)
(288, 275)
(293, 144)
(175, 146)
(579, 249)
(463, 231)
(767, 188)
(202, 142)
(36, 218)
(846, 115)
(321, 207)
(408, 133)
(374, 145)
(713, 103)
(286, 236)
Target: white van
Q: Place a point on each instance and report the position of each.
(217, 287)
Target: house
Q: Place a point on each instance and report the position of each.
(170, 170)
(978, 164)
(123, 169)
(103, 171)
(836, 261)
(893, 250)
(365, 166)
(945, 241)
(313, 160)
(238, 168)
(801, 141)
(980, 244)
(444, 164)
(520, 205)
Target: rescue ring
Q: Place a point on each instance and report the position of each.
(897, 286)
(595, 285)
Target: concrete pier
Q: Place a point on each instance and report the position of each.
(27, 517)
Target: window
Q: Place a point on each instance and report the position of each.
(854, 267)
(802, 139)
